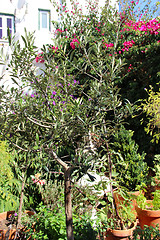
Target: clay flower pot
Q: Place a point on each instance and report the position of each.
(148, 217)
(112, 234)
(119, 200)
(3, 232)
(9, 233)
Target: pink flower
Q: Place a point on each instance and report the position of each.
(72, 44)
(39, 58)
(41, 182)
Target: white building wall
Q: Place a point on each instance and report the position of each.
(26, 15)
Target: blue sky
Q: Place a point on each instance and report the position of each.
(152, 5)
(142, 3)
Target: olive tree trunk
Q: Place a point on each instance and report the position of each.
(68, 205)
(67, 196)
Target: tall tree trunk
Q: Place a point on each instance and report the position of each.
(20, 206)
(21, 201)
(67, 196)
(68, 205)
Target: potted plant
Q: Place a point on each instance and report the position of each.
(149, 210)
(122, 195)
(117, 223)
(8, 224)
(156, 178)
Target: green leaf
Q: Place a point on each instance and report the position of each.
(37, 138)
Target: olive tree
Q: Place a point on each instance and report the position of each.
(69, 105)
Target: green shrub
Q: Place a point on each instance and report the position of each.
(151, 107)
(147, 234)
(50, 224)
(129, 165)
(83, 228)
(9, 186)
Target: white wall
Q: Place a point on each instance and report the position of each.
(27, 17)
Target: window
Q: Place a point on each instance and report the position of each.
(6, 22)
(44, 19)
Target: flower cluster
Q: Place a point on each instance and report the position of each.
(36, 179)
(39, 58)
(152, 26)
(58, 97)
(127, 45)
(72, 44)
(108, 45)
(54, 49)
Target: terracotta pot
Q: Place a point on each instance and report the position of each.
(119, 200)
(4, 216)
(148, 217)
(157, 182)
(112, 234)
(3, 233)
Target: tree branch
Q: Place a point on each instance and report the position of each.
(39, 124)
(14, 144)
(60, 162)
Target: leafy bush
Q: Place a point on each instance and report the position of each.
(147, 234)
(9, 186)
(153, 205)
(128, 163)
(50, 224)
(83, 228)
(151, 107)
